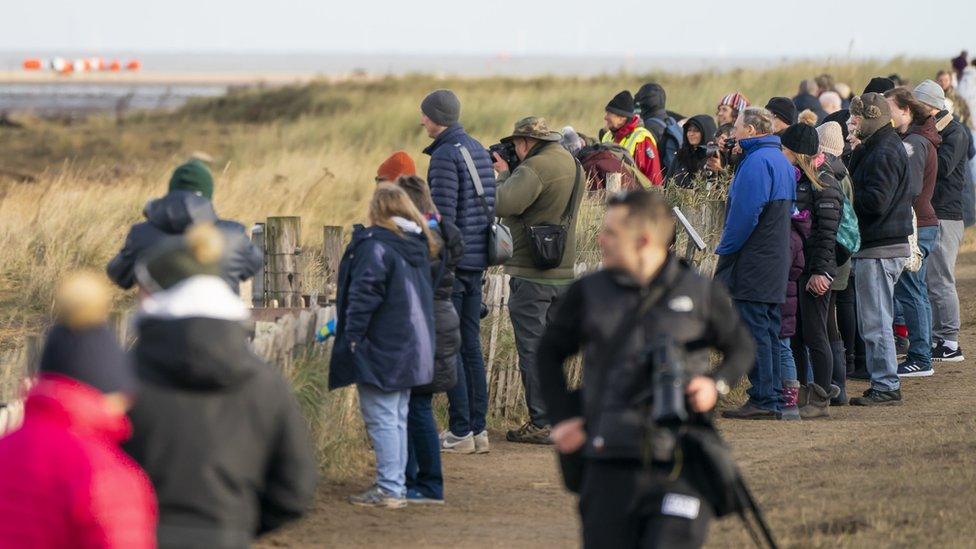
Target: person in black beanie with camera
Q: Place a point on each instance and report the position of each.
(643, 293)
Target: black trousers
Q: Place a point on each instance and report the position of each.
(615, 513)
(847, 324)
(813, 330)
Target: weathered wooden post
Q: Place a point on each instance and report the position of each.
(34, 346)
(331, 254)
(258, 298)
(613, 183)
(282, 240)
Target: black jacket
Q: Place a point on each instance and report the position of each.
(219, 434)
(694, 311)
(826, 207)
(171, 215)
(953, 154)
(447, 325)
(691, 160)
(882, 190)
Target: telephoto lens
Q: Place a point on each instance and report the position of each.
(668, 406)
(484, 311)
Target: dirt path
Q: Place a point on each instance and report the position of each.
(881, 477)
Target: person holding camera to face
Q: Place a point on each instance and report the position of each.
(539, 196)
(617, 317)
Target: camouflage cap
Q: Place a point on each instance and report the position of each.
(534, 127)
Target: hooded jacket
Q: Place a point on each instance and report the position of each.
(882, 195)
(385, 319)
(217, 429)
(64, 480)
(447, 325)
(454, 193)
(691, 160)
(693, 310)
(754, 258)
(953, 154)
(172, 215)
(924, 140)
(651, 99)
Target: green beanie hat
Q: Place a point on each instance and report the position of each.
(193, 176)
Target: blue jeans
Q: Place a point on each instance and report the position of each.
(385, 416)
(423, 449)
(468, 400)
(787, 366)
(763, 321)
(875, 280)
(912, 297)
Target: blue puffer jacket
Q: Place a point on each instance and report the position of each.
(385, 317)
(754, 254)
(454, 194)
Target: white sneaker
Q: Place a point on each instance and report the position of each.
(481, 443)
(457, 445)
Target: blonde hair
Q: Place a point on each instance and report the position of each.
(83, 300)
(391, 201)
(205, 243)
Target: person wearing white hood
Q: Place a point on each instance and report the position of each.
(217, 430)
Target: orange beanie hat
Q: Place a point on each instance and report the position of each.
(397, 165)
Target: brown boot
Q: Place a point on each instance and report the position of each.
(818, 402)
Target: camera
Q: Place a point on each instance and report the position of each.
(506, 151)
(730, 144)
(667, 411)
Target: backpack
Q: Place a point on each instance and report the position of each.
(848, 233)
(672, 137)
(601, 159)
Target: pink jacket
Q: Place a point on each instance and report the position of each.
(64, 480)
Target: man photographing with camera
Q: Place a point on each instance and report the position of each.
(538, 201)
(630, 494)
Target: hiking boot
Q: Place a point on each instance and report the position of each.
(817, 404)
(416, 497)
(750, 411)
(481, 444)
(910, 368)
(901, 346)
(377, 497)
(451, 444)
(874, 397)
(529, 433)
(791, 391)
(941, 353)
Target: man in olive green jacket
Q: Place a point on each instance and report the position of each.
(539, 191)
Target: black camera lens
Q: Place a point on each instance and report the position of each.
(484, 311)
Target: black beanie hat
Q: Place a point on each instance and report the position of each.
(80, 345)
(802, 139)
(622, 104)
(879, 84)
(782, 108)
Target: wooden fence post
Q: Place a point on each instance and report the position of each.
(258, 297)
(331, 254)
(282, 240)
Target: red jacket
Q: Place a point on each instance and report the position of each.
(643, 149)
(64, 480)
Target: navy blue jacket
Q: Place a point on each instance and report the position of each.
(385, 317)
(754, 260)
(454, 194)
(172, 215)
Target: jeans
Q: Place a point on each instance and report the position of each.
(423, 449)
(763, 321)
(468, 399)
(531, 306)
(787, 366)
(385, 416)
(875, 281)
(912, 294)
(940, 275)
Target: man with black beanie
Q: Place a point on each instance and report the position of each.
(784, 113)
(625, 128)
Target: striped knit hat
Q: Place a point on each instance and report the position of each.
(735, 100)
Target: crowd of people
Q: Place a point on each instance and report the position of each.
(845, 214)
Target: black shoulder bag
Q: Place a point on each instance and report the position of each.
(500, 246)
(547, 241)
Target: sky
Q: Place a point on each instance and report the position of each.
(702, 28)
